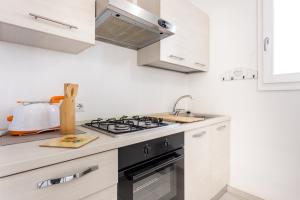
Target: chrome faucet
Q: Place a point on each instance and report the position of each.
(177, 111)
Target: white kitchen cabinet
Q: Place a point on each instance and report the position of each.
(197, 164)
(107, 194)
(206, 161)
(187, 50)
(94, 173)
(62, 25)
(219, 157)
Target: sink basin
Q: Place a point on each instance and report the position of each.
(186, 117)
(197, 115)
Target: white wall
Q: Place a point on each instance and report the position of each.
(265, 135)
(110, 81)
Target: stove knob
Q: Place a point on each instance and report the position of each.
(166, 143)
(147, 149)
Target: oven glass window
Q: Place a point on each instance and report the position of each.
(161, 185)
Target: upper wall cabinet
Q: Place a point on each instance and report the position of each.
(187, 50)
(62, 25)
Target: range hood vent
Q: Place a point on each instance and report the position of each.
(126, 24)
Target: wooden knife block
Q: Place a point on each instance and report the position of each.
(67, 110)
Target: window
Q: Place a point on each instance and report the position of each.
(279, 43)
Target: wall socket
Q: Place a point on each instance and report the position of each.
(3, 131)
(79, 107)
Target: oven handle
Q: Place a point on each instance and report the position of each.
(156, 168)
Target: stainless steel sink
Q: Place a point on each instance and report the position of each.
(197, 115)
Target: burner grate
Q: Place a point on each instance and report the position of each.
(125, 125)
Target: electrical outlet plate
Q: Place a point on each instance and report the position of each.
(3, 131)
(79, 107)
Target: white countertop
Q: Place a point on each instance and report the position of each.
(27, 156)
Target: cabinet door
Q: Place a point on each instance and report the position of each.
(198, 44)
(187, 50)
(173, 49)
(107, 194)
(46, 23)
(219, 157)
(189, 46)
(197, 164)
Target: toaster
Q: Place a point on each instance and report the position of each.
(35, 117)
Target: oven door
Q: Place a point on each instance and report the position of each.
(158, 179)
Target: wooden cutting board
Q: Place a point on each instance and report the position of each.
(70, 141)
(180, 119)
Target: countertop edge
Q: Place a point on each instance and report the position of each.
(104, 143)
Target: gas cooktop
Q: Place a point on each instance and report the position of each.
(124, 125)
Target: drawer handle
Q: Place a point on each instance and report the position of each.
(57, 181)
(198, 135)
(203, 65)
(51, 20)
(176, 57)
(221, 128)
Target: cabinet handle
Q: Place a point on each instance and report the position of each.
(176, 57)
(51, 20)
(203, 65)
(57, 181)
(266, 43)
(221, 127)
(198, 135)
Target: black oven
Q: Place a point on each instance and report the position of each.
(152, 170)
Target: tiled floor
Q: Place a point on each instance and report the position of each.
(229, 196)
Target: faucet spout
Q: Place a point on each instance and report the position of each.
(177, 101)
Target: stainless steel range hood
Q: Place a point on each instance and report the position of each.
(126, 24)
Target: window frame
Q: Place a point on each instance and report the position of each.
(268, 80)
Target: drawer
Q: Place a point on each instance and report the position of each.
(95, 173)
(80, 14)
(107, 194)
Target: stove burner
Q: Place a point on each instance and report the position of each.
(125, 124)
(124, 117)
(148, 123)
(122, 127)
(111, 120)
